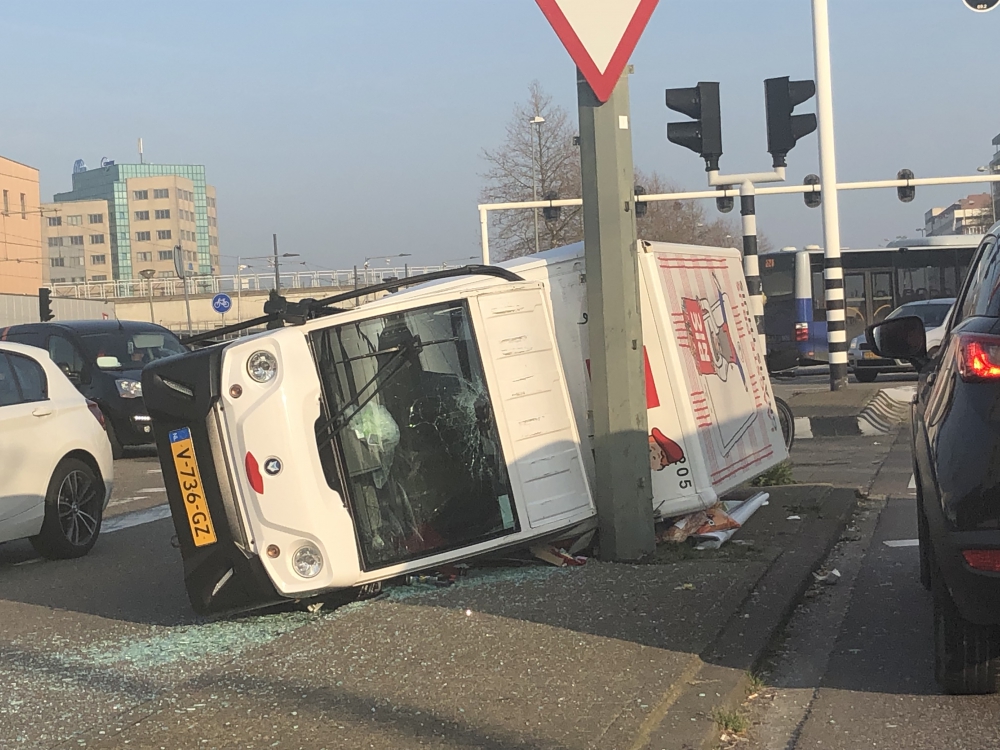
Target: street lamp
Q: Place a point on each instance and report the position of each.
(537, 121)
(239, 288)
(148, 274)
(377, 257)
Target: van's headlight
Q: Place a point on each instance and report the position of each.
(307, 561)
(262, 366)
(129, 388)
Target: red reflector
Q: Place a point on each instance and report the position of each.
(801, 331)
(979, 357)
(983, 559)
(253, 474)
(98, 414)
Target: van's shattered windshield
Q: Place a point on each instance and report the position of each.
(410, 421)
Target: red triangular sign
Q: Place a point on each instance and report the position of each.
(599, 35)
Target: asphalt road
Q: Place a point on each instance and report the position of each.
(855, 669)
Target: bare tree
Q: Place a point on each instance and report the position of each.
(539, 160)
(542, 160)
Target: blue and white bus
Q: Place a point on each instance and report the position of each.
(876, 281)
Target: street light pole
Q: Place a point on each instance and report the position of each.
(536, 120)
(277, 277)
(184, 283)
(148, 274)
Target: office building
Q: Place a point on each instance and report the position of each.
(152, 210)
(972, 214)
(76, 237)
(22, 261)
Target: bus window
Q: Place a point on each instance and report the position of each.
(882, 297)
(856, 313)
(819, 296)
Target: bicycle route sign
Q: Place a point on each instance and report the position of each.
(221, 303)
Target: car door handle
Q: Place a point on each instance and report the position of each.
(42, 411)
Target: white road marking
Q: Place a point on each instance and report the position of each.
(803, 427)
(124, 500)
(913, 482)
(153, 489)
(154, 471)
(901, 542)
(128, 520)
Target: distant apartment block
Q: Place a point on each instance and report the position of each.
(76, 238)
(22, 261)
(153, 211)
(970, 215)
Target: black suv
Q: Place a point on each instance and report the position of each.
(104, 359)
(956, 460)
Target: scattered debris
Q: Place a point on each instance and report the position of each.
(830, 579)
(794, 518)
(738, 513)
(684, 587)
(556, 556)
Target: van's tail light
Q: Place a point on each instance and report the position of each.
(801, 331)
(983, 559)
(98, 414)
(979, 357)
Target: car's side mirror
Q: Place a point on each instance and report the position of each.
(899, 338)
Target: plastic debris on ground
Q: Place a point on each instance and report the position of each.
(556, 556)
(713, 527)
(830, 579)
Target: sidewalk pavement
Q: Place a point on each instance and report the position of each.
(598, 656)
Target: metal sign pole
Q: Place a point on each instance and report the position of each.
(618, 389)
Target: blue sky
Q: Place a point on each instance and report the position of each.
(353, 128)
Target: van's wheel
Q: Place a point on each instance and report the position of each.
(865, 375)
(74, 506)
(965, 654)
(117, 451)
(787, 422)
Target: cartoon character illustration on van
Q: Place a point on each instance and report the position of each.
(663, 451)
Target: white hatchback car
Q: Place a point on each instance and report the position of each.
(55, 459)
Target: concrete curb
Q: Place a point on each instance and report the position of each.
(882, 414)
(740, 647)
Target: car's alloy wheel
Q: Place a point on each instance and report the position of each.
(74, 506)
(966, 655)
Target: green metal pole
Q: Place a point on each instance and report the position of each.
(618, 387)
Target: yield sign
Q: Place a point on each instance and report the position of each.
(599, 35)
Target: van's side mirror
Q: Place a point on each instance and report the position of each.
(899, 338)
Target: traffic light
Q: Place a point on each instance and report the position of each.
(45, 304)
(641, 207)
(724, 203)
(906, 194)
(784, 129)
(813, 199)
(704, 134)
(551, 213)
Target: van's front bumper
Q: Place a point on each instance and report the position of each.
(225, 576)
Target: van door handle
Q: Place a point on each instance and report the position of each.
(42, 411)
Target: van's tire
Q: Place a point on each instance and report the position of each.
(74, 509)
(787, 421)
(965, 654)
(865, 375)
(117, 451)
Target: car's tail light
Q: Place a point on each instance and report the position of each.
(983, 559)
(979, 357)
(801, 331)
(98, 414)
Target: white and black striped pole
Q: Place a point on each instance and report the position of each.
(751, 263)
(833, 273)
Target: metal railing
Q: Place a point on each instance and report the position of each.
(252, 282)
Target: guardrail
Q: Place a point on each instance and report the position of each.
(258, 282)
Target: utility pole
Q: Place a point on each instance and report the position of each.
(184, 283)
(618, 389)
(277, 277)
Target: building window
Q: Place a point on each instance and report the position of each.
(99, 277)
(143, 256)
(98, 260)
(55, 241)
(142, 236)
(57, 262)
(97, 239)
(76, 239)
(161, 193)
(211, 202)
(24, 210)
(163, 234)
(74, 221)
(6, 204)
(59, 281)
(212, 222)
(142, 215)
(166, 254)
(163, 213)
(95, 218)
(140, 195)
(55, 221)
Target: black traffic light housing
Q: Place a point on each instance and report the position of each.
(725, 203)
(551, 213)
(45, 304)
(905, 193)
(641, 207)
(783, 128)
(704, 134)
(812, 199)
